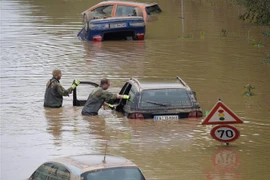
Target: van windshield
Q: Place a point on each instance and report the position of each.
(121, 173)
(153, 9)
(165, 97)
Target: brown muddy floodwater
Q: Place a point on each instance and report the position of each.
(202, 41)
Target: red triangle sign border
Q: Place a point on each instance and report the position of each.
(213, 111)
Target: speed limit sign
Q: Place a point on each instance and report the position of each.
(225, 133)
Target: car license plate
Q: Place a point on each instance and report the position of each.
(171, 117)
(118, 25)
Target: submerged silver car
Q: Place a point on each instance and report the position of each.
(159, 100)
(88, 167)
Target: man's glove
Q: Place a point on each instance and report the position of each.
(126, 97)
(111, 106)
(75, 84)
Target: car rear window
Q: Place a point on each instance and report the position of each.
(165, 97)
(153, 9)
(125, 11)
(103, 11)
(114, 174)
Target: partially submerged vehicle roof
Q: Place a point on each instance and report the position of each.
(118, 18)
(90, 162)
(152, 85)
(129, 2)
(146, 85)
(121, 3)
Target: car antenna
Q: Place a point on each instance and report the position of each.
(105, 153)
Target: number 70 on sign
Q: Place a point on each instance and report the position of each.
(225, 133)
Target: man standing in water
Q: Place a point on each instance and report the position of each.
(97, 98)
(55, 91)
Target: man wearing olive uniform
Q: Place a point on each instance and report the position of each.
(98, 97)
(55, 91)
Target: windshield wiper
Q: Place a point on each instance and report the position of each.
(158, 103)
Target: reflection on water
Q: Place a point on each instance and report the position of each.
(115, 60)
(225, 163)
(54, 121)
(203, 42)
(97, 127)
(225, 159)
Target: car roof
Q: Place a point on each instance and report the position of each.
(138, 18)
(90, 162)
(161, 86)
(128, 2)
(147, 85)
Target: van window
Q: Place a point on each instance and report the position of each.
(125, 11)
(153, 10)
(165, 97)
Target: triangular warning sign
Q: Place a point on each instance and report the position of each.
(221, 114)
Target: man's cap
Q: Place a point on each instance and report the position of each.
(56, 72)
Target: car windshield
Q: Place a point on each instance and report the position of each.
(153, 10)
(123, 173)
(165, 97)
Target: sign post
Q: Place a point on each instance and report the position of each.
(222, 115)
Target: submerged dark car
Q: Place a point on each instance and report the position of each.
(159, 100)
(154, 100)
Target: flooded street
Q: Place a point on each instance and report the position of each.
(202, 41)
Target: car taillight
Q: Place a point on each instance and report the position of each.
(195, 114)
(140, 36)
(199, 114)
(136, 116)
(97, 38)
